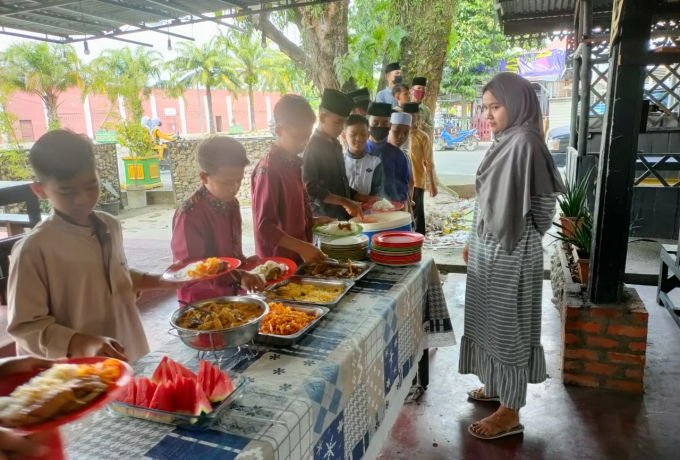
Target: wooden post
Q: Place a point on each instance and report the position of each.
(618, 154)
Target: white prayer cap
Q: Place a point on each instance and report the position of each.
(400, 118)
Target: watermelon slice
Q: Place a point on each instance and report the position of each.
(201, 401)
(222, 386)
(184, 396)
(126, 396)
(163, 399)
(145, 392)
(205, 376)
(178, 369)
(157, 376)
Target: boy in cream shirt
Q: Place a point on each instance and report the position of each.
(70, 291)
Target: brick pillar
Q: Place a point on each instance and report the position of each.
(604, 345)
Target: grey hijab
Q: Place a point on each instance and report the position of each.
(518, 165)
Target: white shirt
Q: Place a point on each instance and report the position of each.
(360, 173)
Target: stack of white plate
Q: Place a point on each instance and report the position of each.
(349, 247)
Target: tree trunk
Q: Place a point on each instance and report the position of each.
(423, 51)
(211, 119)
(323, 30)
(51, 102)
(251, 103)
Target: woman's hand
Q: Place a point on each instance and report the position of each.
(311, 254)
(251, 282)
(83, 345)
(466, 253)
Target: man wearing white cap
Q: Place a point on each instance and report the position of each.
(396, 167)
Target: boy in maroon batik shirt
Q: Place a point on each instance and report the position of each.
(208, 223)
(282, 211)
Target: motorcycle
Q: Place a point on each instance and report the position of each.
(465, 139)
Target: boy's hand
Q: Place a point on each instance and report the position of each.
(253, 259)
(14, 446)
(311, 254)
(433, 190)
(83, 345)
(251, 282)
(23, 364)
(353, 209)
(323, 220)
(373, 199)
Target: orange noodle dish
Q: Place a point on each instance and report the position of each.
(285, 320)
(208, 267)
(57, 391)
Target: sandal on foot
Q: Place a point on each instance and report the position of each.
(503, 432)
(478, 395)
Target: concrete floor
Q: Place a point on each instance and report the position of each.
(561, 422)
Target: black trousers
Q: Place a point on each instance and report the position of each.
(419, 210)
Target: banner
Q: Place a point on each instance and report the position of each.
(546, 63)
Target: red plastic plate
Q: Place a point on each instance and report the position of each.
(171, 274)
(398, 239)
(9, 383)
(290, 265)
(397, 207)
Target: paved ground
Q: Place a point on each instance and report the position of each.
(458, 167)
(561, 422)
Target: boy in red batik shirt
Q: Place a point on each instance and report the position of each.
(208, 223)
(282, 211)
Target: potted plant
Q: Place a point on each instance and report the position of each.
(573, 204)
(580, 240)
(142, 167)
(109, 200)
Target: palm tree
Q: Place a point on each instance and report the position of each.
(129, 74)
(203, 65)
(260, 68)
(43, 69)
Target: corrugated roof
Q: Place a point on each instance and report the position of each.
(69, 20)
(521, 17)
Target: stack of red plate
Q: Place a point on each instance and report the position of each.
(397, 248)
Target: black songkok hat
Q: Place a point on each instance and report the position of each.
(412, 107)
(379, 109)
(419, 81)
(337, 102)
(392, 67)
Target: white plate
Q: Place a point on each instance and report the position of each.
(345, 241)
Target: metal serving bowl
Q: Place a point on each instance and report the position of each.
(219, 339)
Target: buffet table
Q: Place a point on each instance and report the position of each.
(334, 395)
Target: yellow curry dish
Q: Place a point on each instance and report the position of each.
(216, 316)
(305, 293)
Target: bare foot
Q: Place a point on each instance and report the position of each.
(503, 419)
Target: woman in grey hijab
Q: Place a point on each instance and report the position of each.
(516, 185)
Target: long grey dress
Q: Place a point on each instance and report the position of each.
(502, 339)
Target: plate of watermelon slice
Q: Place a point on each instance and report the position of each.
(176, 395)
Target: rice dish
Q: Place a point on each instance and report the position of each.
(339, 228)
(202, 268)
(270, 270)
(383, 205)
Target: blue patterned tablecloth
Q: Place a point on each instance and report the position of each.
(333, 396)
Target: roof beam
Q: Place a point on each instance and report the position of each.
(131, 41)
(30, 37)
(179, 8)
(62, 17)
(41, 6)
(68, 29)
(146, 10)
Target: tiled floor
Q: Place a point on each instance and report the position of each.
(561, 422)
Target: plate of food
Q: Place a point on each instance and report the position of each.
(271, 269)
(383, 205)
(37, 402)
(285, 325)
(200, 270)
(348, 269)
(309, 290)
(337, 229)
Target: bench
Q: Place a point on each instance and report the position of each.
(17, 223)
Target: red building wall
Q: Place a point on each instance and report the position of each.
(30, 111)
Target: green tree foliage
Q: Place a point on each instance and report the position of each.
(371, 43)
(259, 68)
(129, 73)
(476, 47)
(43, 69)
(206, 65)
